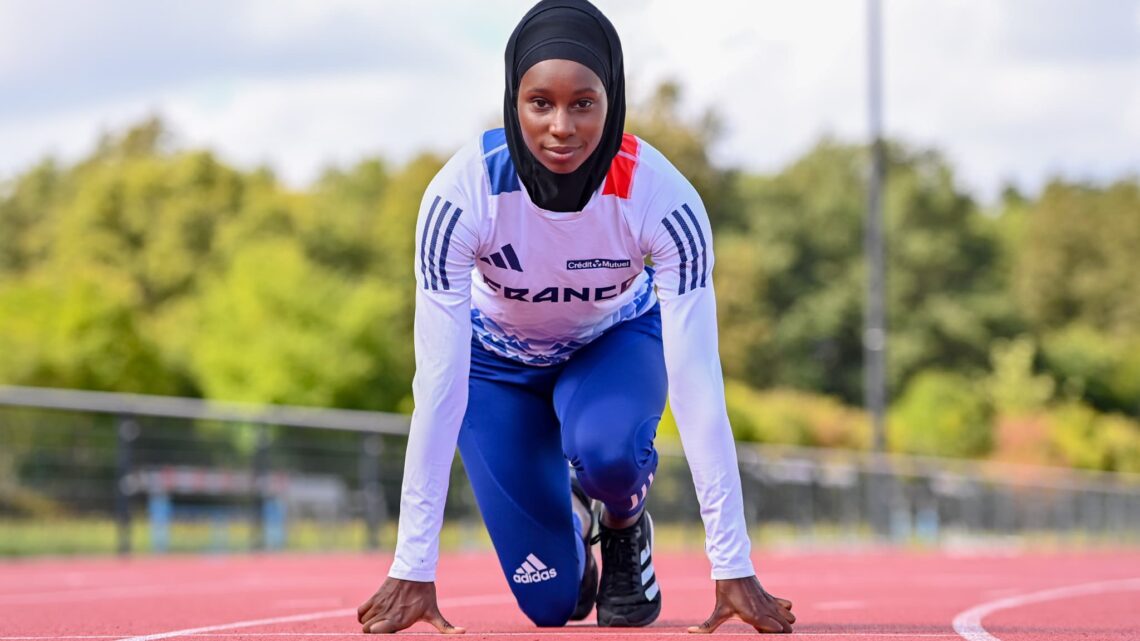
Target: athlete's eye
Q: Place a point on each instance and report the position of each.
(585, 103)
(540, 103)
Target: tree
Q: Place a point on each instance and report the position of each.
(337, 227)
(803, 231)
(945, 295)
(688, 144)
(24, 228)
(149, 215)
(79, 331)
(278, 328)
(1075, 263)
(1077, 260)
(941, 414)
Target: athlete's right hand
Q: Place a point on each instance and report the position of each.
(398, 604)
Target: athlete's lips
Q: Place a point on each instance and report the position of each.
(561, 153)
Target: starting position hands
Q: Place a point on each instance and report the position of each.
(398, 604)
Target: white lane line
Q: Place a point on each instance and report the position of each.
(457, 602)
(968, 623)
(296, 618)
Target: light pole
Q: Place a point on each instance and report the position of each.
(885, 499)
(874, 249)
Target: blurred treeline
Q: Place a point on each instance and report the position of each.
(1014, 328)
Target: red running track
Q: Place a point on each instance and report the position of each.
(879, 595)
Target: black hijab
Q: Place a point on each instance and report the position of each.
(566, 30)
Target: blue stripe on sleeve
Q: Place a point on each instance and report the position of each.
(434, 238)
(423, 241)
(692, 245)
(446, 245)
(680, 250)
(704, 249)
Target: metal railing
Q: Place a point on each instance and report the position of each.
(56, 452)
(90, 455)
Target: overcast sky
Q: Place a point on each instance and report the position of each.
(1010, 90)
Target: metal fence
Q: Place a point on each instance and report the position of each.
(125, 472)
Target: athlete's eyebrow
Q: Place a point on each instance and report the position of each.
(576, 91)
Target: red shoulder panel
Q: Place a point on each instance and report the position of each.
(619, 180)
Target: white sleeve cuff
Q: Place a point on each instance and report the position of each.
(734, 571)
(399, 571)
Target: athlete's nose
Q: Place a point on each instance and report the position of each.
(561, 124)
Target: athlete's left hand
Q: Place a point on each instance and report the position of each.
(747, 600)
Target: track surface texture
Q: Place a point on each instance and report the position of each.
(846, 596)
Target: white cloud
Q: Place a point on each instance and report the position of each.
(959, 78)
(779, 73)
(301, 126)
(1009, 90)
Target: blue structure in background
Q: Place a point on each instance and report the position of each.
(164, 485)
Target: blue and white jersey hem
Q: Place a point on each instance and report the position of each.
(554, 350)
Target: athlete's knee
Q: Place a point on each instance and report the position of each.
(613, 468)
(548, 612)
(606, 472)
(546, 617)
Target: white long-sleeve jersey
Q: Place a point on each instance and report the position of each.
(535, 285)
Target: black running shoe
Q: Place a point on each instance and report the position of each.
(629, 595)
(588, 589)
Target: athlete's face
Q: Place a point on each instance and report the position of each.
(562, 113)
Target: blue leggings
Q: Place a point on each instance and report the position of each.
(599, 411)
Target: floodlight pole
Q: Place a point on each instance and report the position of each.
(874, 250)
(889, 511)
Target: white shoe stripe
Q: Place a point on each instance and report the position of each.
(526, 567)
(535, 562)
(633, 501)
(644, 555)
(647, 574)
(651, 591)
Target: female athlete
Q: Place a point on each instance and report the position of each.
(542, 336)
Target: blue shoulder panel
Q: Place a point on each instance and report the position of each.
(500, 169)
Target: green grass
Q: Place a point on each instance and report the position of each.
(98, 536)
(95, 536)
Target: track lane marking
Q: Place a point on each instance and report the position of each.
(456, 602)
(296, 618)
(968, 623)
